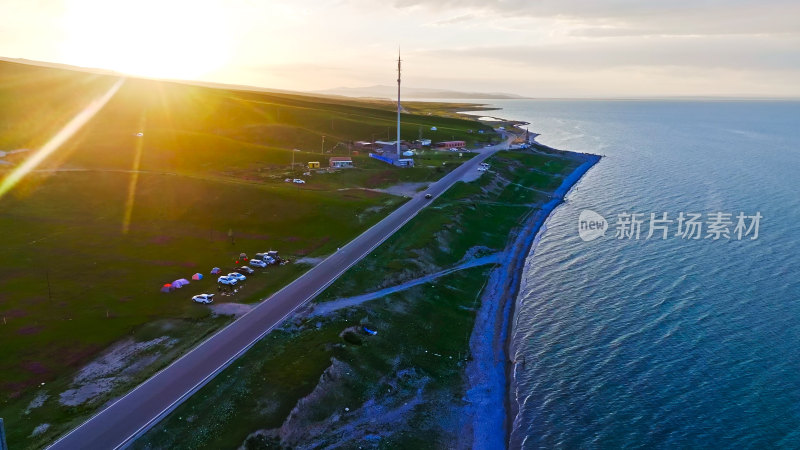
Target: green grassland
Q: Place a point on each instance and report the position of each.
(320, 380)
(88, 239)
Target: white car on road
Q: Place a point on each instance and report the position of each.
(238, 276)
(203, 298)
(258, 263)
(230, 281)
(298, 181)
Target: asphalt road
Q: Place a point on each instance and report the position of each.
(132, 415)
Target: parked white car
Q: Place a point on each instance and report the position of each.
(230, 281)
(298, 181)
(203, 298)
(238, 276)
(266, 257)
(258, 263)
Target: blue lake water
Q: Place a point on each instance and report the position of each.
(664, 343)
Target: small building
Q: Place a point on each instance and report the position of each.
(451, 144)
(313, 164)
(423, 142)
(340, 162)
(391, 158)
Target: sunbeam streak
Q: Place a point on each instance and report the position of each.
(63, 135)
(137, 158)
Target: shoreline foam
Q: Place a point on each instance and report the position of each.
(490, 374)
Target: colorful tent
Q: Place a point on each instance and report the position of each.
(167, 288)
(215, 271)
(197, 276)
(180, 283)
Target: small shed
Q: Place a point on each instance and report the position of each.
(340, 162)
(451, 144)
(313, 164)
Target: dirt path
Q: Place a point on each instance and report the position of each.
(320, 309)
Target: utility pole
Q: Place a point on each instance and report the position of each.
(3, 444)
(49, 290)
(322, 149)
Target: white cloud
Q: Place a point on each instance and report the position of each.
(639, 16)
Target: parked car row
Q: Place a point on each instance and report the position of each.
(261, 260)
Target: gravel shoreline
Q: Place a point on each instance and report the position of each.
(491, 403)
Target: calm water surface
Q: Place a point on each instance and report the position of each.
(664, 343)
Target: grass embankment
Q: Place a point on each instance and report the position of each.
(86, 242)
(321, 380)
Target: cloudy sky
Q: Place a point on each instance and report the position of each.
(544, 48)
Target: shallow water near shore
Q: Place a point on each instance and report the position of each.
(664, 342)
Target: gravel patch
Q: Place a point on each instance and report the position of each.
(404, 189)
(40, 429)
(37, 402)
(231, 309)
(117, 365)
(313, 261)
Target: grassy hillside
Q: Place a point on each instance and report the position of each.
(87, 240)
(321, 381)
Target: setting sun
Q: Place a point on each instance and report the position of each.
(148, 38)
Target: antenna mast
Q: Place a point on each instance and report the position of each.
(398, 103)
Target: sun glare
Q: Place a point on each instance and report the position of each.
(164, 39)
